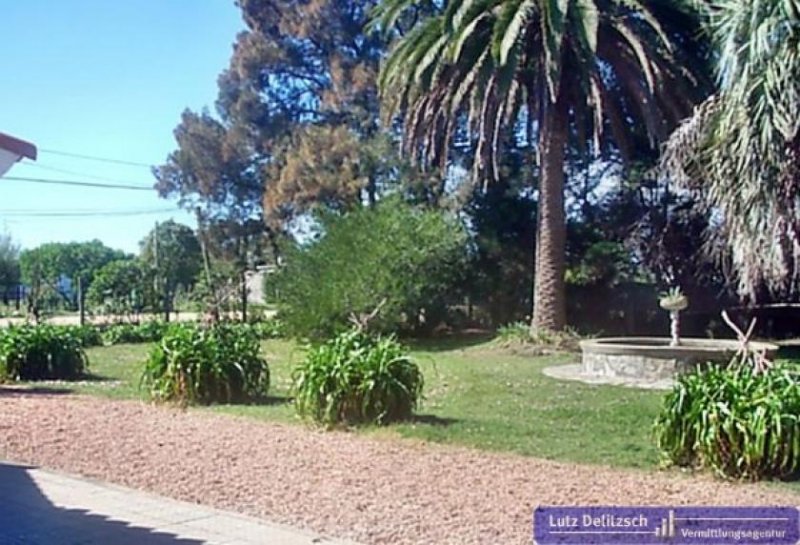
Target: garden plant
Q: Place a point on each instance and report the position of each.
(41, 352)
(742, 421)
(355, 378)
(203, 365)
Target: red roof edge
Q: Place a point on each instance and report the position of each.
(17, 146)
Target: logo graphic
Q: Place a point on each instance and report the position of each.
(660, 525)
(667, 528)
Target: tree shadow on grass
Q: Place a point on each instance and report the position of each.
(24, 390)
(91, 377)
(452, 342)
(265, 401)
(275, 400)
(433, 420)
(27, 516)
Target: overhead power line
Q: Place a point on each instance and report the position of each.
(95, 158)
(78, 183)
(76, 173)
(82, 214)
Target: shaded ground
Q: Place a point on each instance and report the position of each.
(41, 507)
(339, 484)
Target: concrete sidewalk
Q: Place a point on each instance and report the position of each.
(40, 507)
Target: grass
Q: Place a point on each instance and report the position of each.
(488, 399)
(475, 395)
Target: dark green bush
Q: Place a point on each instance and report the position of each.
(217, 364)
(154, 331)
(405, 262)
(42, 352)
(355, 378)
(146, 332)
(518, 336)
(268, 329)
(734, 421)
(88, 335)
(121, 287)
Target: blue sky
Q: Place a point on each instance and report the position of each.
(107, 79)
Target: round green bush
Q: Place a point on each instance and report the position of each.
(741, 424)
(196, 364)
(354, 378)
(41, 352)
(351, 271)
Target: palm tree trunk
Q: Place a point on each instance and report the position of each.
(549, 298)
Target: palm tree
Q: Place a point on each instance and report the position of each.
(607, 74)
(741, 149)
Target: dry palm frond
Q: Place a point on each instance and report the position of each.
(741, 149)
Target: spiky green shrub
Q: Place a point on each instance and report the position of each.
(203, 365)
(739, 423)
(355, 378)
(42, 352)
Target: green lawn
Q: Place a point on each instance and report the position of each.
(476, 395)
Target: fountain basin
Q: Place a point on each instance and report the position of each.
(653, 359)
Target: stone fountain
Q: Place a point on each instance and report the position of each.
(652, 362)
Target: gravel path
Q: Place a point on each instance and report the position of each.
(338, 484)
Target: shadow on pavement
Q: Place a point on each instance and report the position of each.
(28, 518)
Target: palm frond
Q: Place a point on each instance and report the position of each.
(553, 15)
(509, 27)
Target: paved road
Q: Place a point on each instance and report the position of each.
(39, 507)
(73, 319)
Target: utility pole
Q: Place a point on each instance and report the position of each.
(244, 295)
(157, 287)
(207, 266)
(81, 306)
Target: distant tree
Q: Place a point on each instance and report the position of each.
(49, 263)
(212, 170)
(171, 254)
(9, 264)
(302, 62)
(121, 287)
(294, 106)
(295, 129)
(328, 167)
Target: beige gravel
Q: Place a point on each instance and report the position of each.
(335, 483)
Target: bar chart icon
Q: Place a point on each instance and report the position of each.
(667, 528)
